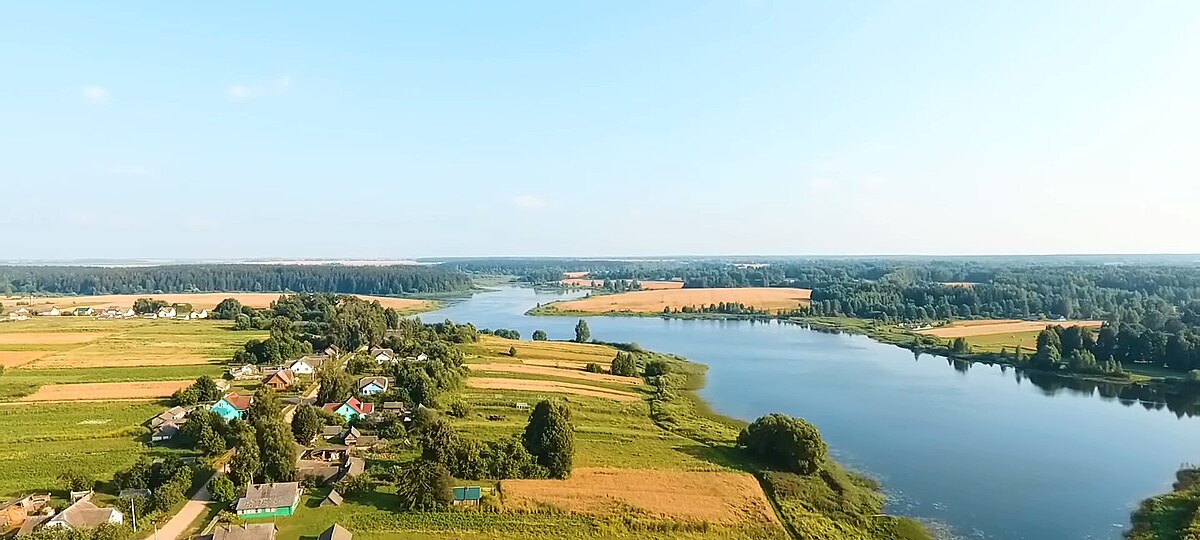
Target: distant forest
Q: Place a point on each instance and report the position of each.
(1151, 304)
(374, 280)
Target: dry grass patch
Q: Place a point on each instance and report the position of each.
(94, 391)
(773, 299)
(11, 359)
(82, 359)
(1002, 326)
(555, 372)
(714, 497)
(646, 285)
(49, 338)
(555, 387)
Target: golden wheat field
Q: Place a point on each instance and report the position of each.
(773, 299)
(1002, 326)
(713, 497)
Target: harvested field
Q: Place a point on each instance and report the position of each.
(97, 391)
(550, 353)
(1002, 326)
(528, 385)
(646, 285)
(555, 372)
(49, 338)
(713, 497)
(11, 359)
(575, 275)
(768, 298)
(198, 300)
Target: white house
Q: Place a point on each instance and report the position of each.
(307, 365)
(248, 371)
(167, 313)
(47, 312)
(83, 514)
(383, 355)
(202, 314)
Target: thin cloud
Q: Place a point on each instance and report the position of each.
(246, 92)
(529, 202)
(97, 95)
(133, 171)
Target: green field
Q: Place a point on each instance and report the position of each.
(39, 441)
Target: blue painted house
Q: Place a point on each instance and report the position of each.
(233, 406)
(369, 386)
(352, 408)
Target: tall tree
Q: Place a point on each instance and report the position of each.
(582, 333)
(783, 441)
(550, 437)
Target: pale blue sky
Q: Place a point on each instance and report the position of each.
(227, 129)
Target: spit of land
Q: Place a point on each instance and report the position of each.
(774, 299)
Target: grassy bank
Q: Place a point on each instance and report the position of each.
(1173, 516)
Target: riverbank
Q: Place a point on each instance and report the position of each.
(1171, 516)
(831, 504)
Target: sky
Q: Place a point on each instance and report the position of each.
(393, 130)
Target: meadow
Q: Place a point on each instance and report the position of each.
(40, 441)
(992, 327)
(772, 299)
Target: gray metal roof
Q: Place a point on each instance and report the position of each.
(266, 496)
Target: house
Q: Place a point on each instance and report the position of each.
(467, 495)
(352, 436)
(83, 312)
(14, 513)
(350, 409)
(239, 373)
(269, 500)
(22, 311)
(202, 314)
(522, 406)
(354, 467)
(47, 312)
(333, 499)
(83, 514)
(280, 380)
(357, 440)
(335, 532)
(332, 350)
(167, 313)
(369, 386)
(14, 316)
(249, 531)
(170, 415)
(383, 355)
(307, 365)
(233, 406)
(167, 431)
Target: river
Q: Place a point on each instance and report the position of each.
(980, 451)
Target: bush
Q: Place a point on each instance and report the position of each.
(73, 480)
(540, 335)
(594, 368)
(789, 443)
(624, 365)
(656, 368)
(459, 409)
(223, 490)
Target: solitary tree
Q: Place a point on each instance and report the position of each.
(550, 437)
(306, 423)
(582, 333)
(782, 441)
(424, 485)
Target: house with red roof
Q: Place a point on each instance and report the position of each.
(350, 409)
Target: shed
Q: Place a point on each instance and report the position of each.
(333, 499)
(336, 532)
(469, 495)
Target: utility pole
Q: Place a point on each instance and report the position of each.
(133, 511)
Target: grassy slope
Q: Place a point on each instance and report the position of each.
(675, 434)
(1173, 516)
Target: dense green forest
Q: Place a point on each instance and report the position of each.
(377, 280)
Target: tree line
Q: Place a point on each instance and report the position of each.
(372, 280)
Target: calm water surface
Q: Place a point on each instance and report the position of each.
(983, 451)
